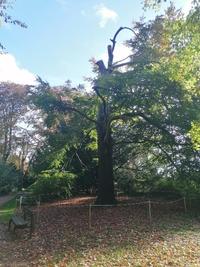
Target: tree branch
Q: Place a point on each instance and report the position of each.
(124, 116)
(96, 89)
(102, 68)
(64, 106)
(146, 118)
(117, 32)
(122, 65)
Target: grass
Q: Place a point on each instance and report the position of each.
(6, 210)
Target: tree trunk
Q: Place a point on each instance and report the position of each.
(105, 193)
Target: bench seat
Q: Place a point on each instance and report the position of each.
(26, 219)
(19, 221)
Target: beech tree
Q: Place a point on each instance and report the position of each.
(146, 96)
(149, 93)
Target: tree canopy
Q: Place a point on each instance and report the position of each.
(137, 129)
(144, 112)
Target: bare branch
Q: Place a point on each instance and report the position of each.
(117, 62)
(118, 31)
(122, 65)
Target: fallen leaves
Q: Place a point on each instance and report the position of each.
(120, 236)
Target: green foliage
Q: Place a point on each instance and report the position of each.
(10, 178)
(6, 210)
(195, 135)
(148, 108)
(53, 184)
(188, 188)
(70, 141)
(160, 95)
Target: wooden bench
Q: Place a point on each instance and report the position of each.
(25, 219)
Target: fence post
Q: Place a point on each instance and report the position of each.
(38, 211)
(150, 217)
(185, 206)
(20, 202)
(90, 216)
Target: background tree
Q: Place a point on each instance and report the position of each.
(12, 108)
(20, 127)
(70, 143)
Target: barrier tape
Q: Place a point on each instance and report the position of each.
(121, 205)
(168, 202)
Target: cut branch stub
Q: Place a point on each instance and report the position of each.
(102, 68)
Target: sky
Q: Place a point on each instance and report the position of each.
(62, 35)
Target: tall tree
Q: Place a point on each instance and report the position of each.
(150, 97)
(12, 107)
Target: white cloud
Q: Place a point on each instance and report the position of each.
(11, 72)
(121, 52)
(105, 14)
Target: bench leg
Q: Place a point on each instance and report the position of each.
(9, 224)
(30, 234)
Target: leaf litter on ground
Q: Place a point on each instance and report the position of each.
(120, 236)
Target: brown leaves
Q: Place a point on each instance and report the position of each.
(120, 236)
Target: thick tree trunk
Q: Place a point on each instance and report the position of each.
(105, 193)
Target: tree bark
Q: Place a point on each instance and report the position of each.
(105, 144)
(105, 193)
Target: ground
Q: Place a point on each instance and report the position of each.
(118, 236)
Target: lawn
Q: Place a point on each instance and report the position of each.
(7, 209)
(119, 236)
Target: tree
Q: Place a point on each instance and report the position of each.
(69, 143)
(12, 108)
(156, 3)
(128, 96)
(10, 178)
(147, 103)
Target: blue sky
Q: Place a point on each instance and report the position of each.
(62, 36)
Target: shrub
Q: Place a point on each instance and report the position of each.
(179, 186)
(52, 184)
(9, 178)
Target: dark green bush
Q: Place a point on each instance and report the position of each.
(10, 178)
(52, 184)
(179, 186)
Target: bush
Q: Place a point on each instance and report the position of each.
(52, 184)
(9, 178)
(181, 187)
